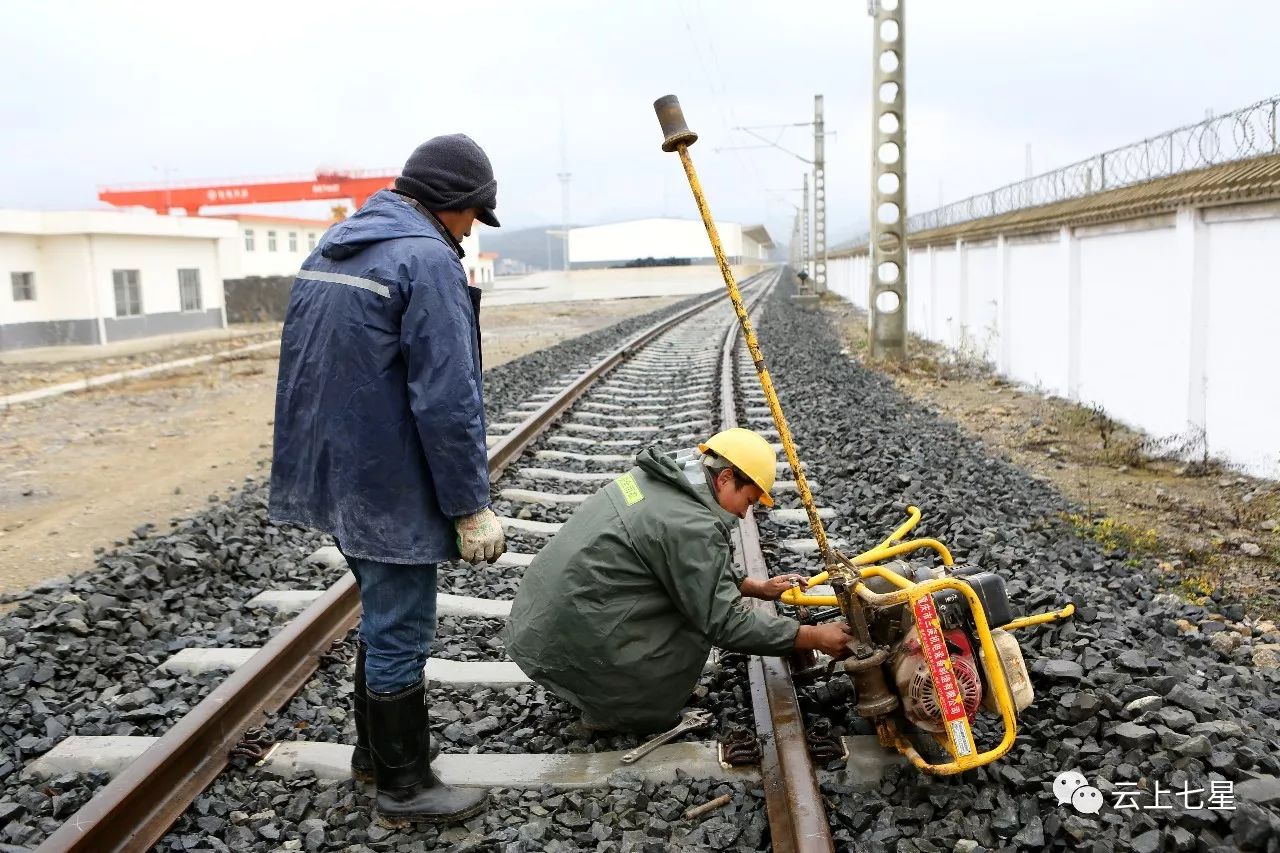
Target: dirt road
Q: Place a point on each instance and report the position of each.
(82, 471)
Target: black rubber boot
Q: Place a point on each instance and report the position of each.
(361, 761)
(408, 790)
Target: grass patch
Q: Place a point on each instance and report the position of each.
(1115, 535)
(1196, 588)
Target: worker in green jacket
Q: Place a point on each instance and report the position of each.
(618, 613)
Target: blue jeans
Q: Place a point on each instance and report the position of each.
(398, 622)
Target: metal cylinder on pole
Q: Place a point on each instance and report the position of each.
(887, 253)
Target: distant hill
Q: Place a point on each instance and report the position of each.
(532, 246)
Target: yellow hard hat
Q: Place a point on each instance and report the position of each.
(749, 452)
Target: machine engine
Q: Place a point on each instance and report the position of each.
(910, 670)
(915, 686)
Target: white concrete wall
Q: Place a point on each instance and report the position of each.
(67, 292)
(157, 261)
(238, 262)
(21, 253)
(73, 273)
(1167, 323)
(751, 249)
(650, 238)
(479, 270)
(1133, 324)
(73, 254)
(1242, 400)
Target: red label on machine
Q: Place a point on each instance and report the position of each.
(950, 700)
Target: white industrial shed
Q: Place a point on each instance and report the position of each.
(89, 277)
(684, 240)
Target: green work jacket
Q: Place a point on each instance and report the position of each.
(618, 612)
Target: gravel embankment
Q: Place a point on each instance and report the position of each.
(1122, 695)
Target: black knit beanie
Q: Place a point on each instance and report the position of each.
(451, 173)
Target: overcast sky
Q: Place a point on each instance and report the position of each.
(115, 92)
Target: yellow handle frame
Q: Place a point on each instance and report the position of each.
(908, 592)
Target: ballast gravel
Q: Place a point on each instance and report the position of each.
(80, 653)
(1122, 695)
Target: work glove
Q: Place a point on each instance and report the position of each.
(480, 536)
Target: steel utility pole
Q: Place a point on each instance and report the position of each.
(887, 295)
(819, 199)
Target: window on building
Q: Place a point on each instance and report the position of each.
(24, 286)
(248, 239)
(311, 242)
(271, 241)
(189, 290)
(293, 241)
(128, 293)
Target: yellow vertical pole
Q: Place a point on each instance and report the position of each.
(766, 382)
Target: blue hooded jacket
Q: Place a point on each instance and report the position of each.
(380, 427)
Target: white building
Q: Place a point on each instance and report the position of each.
(685, 240)
(89, 277)
(268, 246)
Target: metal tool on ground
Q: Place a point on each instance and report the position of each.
(709, 806)
(951, 608)
(689, 721)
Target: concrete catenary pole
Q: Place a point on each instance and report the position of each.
(819, 199)
(795, 241)
(805, 253)
(564, 175)
(887, 295)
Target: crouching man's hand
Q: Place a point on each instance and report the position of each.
(830, 638)
(771, 589)
(480, 536)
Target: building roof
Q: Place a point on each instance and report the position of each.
(758, 233)
(643, 219)
(129, 223)
(266, 218)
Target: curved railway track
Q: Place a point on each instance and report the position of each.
(658, 386)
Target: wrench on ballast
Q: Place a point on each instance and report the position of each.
(689, 720)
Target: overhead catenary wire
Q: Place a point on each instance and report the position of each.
(718, 99)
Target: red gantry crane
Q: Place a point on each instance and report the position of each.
(326, 184)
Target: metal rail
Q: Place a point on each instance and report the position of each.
(797, 818)
(136, 809)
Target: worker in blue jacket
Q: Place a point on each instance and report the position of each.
(380, 442)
